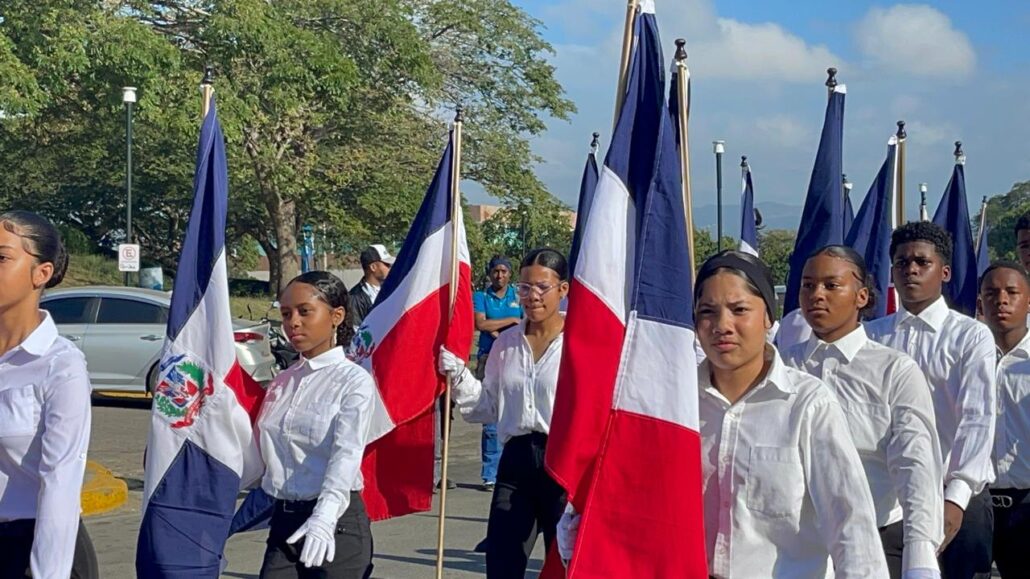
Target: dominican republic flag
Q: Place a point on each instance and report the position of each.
(822, 221)
(201, 448)
(953, 215)
(624, 436)
(399, 342)
(748, 229)
(870, 235)
(587, 186)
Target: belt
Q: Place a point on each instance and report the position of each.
(295, 506)
(1008, 498)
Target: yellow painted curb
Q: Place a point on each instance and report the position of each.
(101, 490)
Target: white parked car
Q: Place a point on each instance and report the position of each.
(121, 330)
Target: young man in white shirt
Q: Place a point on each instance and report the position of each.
(1005, 302)
(957, 355)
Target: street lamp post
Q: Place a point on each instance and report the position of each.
(129, 98)
(719, 148)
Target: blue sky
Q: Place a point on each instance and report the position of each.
(954, 70)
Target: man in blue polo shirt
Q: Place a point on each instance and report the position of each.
(497, 309)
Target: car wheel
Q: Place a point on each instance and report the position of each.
(151, 381)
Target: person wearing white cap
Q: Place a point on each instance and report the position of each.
(375, 262)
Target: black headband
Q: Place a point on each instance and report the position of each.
(753, 268)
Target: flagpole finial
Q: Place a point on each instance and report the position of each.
(209, 76)
(901, 130)
(743, 161)
(831, 78)
(595, 142)
(459, 114)
(681, 50)
(848, 185)
(985, 200)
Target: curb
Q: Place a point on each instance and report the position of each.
(101, 490)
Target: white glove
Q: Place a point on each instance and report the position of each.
(449, 364)
(568, 530)
(319, 543)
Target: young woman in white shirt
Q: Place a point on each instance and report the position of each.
(312, 432)
(517, 393)
(44, 411)
(783, 488)
(888, 406)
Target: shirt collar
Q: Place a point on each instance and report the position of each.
(328, 358)
(848, 345)
(934, 315)
(40, 340)
(1022, 348)
(777, 377)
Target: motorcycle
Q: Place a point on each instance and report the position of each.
(282, 350)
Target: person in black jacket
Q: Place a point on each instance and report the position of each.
(376, 263)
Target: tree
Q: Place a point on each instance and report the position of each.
(705, 246)
(775, 247)
(1003, 211)
(334, 111)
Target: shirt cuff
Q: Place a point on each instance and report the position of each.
(959, 492)
(919, 557)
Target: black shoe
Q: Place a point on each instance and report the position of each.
(451, 485)
(487, 486)
(481, 547)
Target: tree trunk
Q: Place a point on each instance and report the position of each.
(286, 259)
(273, 265)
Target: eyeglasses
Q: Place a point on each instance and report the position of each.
(527, 289)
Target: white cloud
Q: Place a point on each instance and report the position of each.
(764, 51)
(915, 39)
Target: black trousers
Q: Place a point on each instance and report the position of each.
(969, 554)
(1011, 531)
(16, 550)
(526, 502)
(353, 558)
(893, 539)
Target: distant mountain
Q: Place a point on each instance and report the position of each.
(774, 216)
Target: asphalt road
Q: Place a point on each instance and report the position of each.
(404, 547)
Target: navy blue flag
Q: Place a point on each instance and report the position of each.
(870, 234)
(953, 215)
(822, 221)
(586, 198)
(748, 228)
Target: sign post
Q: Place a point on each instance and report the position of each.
(128, 257)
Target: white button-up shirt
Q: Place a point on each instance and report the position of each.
(312, 431)
(890, 413)
(516, 392)
(784, 489)
(44, 435)
(1011, 456)
(957, 355)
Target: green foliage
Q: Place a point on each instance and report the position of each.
(1003, 211)
(705, 246)
(91, 270)
(775, 247)
(515, 230)
(334, 112)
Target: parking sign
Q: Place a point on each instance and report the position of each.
(128, 257)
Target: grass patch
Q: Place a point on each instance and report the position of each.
(100, 270)
(91, 270)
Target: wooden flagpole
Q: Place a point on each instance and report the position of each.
(627, 53)
(683, 88)
(445, 411)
